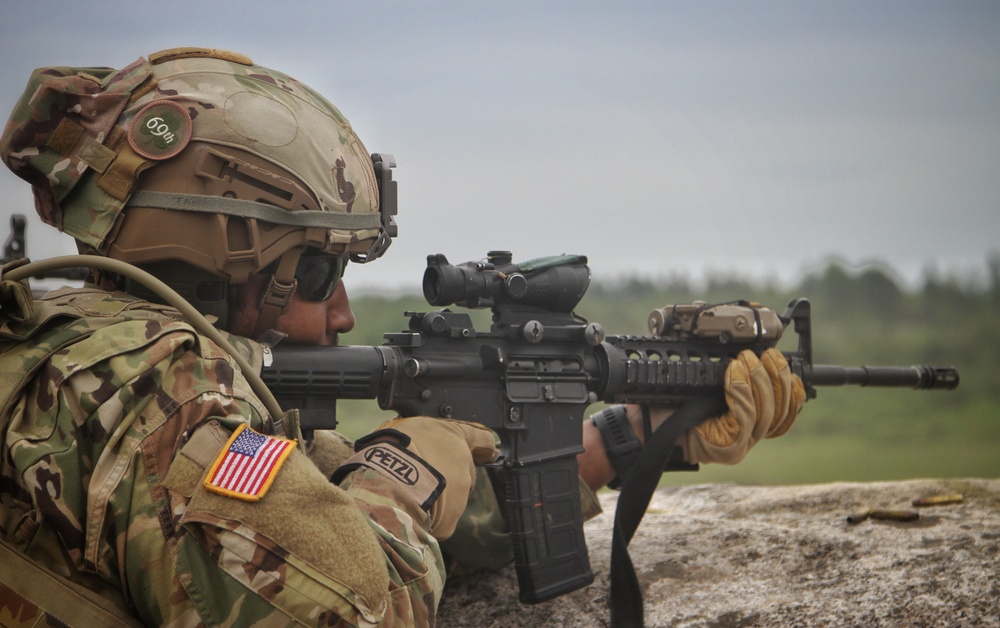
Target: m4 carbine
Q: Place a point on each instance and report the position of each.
(533, 375)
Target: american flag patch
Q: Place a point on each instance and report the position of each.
(248, 464)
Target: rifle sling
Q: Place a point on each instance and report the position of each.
(637, 490)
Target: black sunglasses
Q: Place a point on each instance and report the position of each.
(318, 274)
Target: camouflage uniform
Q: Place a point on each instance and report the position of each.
(112, 408)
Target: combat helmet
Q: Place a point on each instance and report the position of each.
(204, 169)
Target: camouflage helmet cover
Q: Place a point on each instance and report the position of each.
(83, 136)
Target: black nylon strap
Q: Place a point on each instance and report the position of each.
(647, 422)
(626, 596)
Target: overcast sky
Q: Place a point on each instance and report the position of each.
(653, 137)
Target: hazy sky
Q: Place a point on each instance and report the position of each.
(760, 137)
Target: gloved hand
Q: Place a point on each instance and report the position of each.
(433, 460)
(764, 397)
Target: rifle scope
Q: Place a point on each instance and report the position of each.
(555, 284)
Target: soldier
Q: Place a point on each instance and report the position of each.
(142, 477)
(247, 192)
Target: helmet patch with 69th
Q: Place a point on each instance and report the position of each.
(160, 130)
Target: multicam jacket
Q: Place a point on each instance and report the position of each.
(111, 410)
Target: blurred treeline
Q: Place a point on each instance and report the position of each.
(860, 316)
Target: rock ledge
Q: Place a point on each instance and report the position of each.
(731, 555)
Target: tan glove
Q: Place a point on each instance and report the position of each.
(433, 460)
(764, 397)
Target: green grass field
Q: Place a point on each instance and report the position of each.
(810, 459)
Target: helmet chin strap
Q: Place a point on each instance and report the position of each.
(278, 293)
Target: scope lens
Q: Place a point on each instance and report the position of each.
(432, 286)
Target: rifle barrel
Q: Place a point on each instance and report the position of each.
(918, 376)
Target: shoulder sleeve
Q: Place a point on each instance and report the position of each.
(306, 551)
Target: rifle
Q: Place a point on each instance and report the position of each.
(15, 247)
(532, 376)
